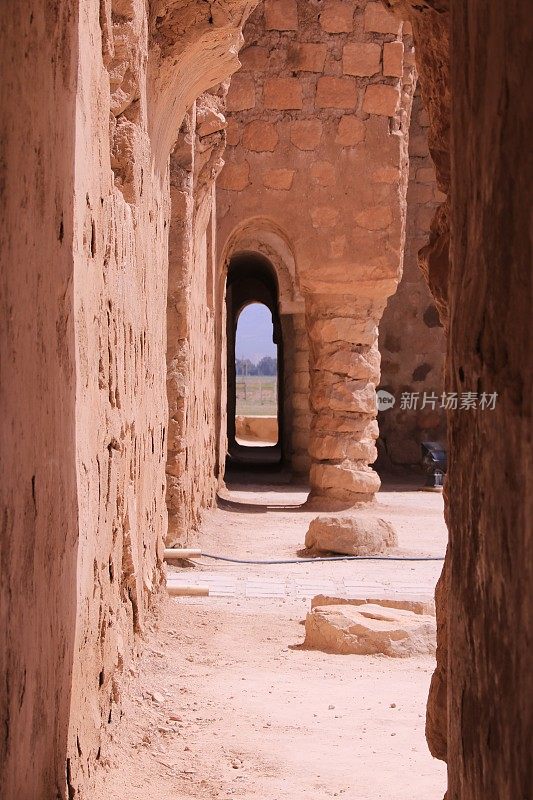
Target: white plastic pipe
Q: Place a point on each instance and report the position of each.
(182, 552)
(181, 590)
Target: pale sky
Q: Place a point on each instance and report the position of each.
(254, 333)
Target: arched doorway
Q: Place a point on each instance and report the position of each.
(252, 283)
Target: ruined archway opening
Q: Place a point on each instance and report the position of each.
(253, 400)
(256, 378)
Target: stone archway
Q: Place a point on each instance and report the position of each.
(268, 240)
(252, 279)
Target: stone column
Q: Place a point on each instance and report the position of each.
(296, 414)
(344, 371)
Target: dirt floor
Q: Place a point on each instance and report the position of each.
(224, 704)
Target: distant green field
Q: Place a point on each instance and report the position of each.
(257, 396)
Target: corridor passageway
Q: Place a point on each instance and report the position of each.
(240, 710)
(337, 145)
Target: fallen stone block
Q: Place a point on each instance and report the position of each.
(369, 629)
(426, 607)
(354, 536)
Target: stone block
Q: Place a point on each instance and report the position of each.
(409, 56)
(361, 427)
(233, 132)
(300, 382)
(257, 429)
(343, 361)
(260, 136)
(418, 146)
(386, 175)
(423, 118)
(421, 193)
(350, 535)
(281, 15)
(306, 133)
(307, 57)
(350, 131)
(300, 402)
(337, 448)
(377, 218)
(324, 216)
(424, 217)
(363, 59)
(343, 329)
(209, 121)
(370, 629)
(280, 179)
(336, 92)
(426, 175)
(381, 99)
(344, 481)
(323, 172)
(301, 419)
(378, 20)
(426, 607)
(337, 17)
(393, 59)
(241, 93)
(350, 396)
(254, 57)
(234, 177)
(283, 94)
(301, 361)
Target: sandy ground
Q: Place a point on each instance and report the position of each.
(224, 704)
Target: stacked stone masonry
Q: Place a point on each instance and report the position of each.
(317, 132)
(411, 336)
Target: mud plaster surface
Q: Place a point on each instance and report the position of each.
(241, 714)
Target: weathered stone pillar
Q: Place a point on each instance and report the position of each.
(296, 412)
(344, 370)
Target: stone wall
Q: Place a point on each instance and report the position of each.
(38, 495)
(192, 472)
(90, 122)
(317, 154)
(490, 489)
(411, 337)
(479, 709)
(121, 294)
(296, 392)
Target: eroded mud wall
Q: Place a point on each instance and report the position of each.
(95, 95)
(192, 348)
(479, 710)
(143, 68)
(37, 393)
(411, 336)
(490, 491)
(120, 300)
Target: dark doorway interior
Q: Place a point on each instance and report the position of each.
(251, 279)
